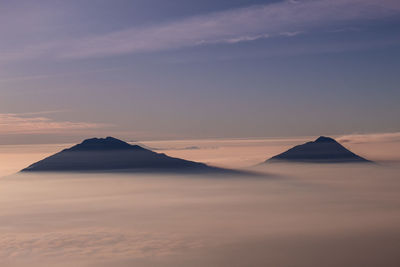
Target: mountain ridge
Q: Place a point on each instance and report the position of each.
(111, 154)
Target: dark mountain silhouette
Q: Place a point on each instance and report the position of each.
(322, 150)
(111, 154)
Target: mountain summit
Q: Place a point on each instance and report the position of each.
(97, 144)
(111, 154)
(322, 150)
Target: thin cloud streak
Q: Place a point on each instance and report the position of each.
(371, 138)
(287, 18)
(49, 76)
(11, 123)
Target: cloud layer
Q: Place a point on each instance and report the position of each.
(286, 18)
(371, 138)
(148, 220)
(83, 243)
(31, 123)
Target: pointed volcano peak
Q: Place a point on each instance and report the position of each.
(322, 150)
(324, 139)
(108, 143)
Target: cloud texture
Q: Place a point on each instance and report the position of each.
(11, 123)
(285, 18)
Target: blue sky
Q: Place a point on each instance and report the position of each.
(196, 69)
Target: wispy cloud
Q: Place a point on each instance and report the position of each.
(290, 34)
(49, 76)
(234, 40)
(371, 138)
(28, 123)
(286, 18)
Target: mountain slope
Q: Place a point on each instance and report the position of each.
(111, 154)
(322, 150)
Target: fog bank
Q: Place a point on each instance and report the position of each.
(298, 215)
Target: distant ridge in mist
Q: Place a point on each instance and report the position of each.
(111, 154)
(322, 150)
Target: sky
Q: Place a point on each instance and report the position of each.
(156, 69)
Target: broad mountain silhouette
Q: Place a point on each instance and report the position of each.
(322, 150)
(111, 154)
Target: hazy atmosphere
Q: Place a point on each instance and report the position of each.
(199, 133)
(292, 215)
(155, 69)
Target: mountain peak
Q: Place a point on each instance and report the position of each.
(111, 154)
(322, 150)
(325, 139)
(108, 143)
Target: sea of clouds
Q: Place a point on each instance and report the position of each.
(293, 215)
